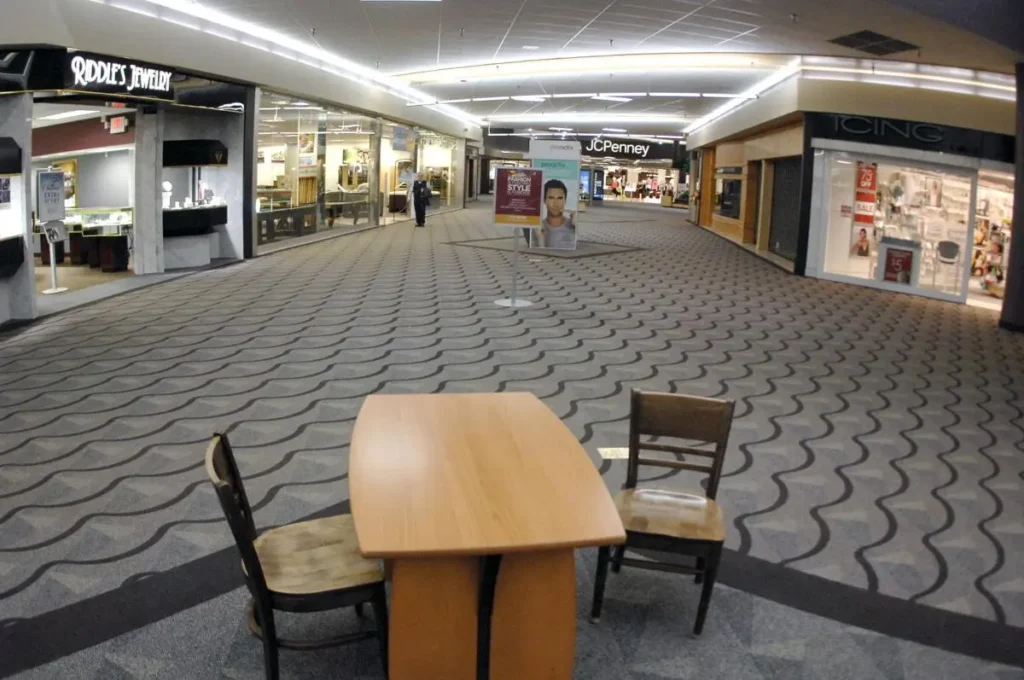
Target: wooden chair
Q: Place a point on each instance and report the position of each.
(304, 567)
(670, 521)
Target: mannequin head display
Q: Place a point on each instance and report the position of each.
(168, 188)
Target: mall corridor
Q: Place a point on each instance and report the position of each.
(873, 479)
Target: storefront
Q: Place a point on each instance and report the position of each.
(151, 160)
(634, 170)
(314, 165)
(910, 207)
(749, 190)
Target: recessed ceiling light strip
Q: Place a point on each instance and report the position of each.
(291, 48)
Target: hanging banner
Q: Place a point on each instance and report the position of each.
(517, 197)
(403, 139)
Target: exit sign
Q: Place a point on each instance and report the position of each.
(118, 125)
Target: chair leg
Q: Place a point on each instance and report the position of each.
(701, 566)
(268, 634)
(620, 552)
(380, 614)
(710, 574)
(603, 555)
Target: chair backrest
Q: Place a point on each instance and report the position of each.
(678, 416)
(223, 472)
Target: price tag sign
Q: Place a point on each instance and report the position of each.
(50, 196)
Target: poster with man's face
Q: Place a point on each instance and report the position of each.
(560, 202)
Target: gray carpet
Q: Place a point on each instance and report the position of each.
(878, 439)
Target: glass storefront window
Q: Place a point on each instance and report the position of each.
(440, 162)
(898, 223)
(992, 232)
(313, 164)
(397, 170)
(727, 197)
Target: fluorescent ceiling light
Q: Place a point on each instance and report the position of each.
(490, 99)
(575, 96)
(721, 95)
(598, 63)
(580, 118)
(623, 94)
(530, 47)
(766, 84)
(607, 98)
(561, 129)
(674, 94)
(68, 114)
(530, 97)
(613, 129)
(329, 62)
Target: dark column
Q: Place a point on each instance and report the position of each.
(249, 141)
(1013, 303)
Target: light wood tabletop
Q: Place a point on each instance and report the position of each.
(473, 474)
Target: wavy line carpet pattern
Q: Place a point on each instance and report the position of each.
(878, 440)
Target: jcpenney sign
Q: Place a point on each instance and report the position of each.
(606, 146)
(109, 75)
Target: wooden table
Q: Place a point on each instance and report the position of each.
(479, 501)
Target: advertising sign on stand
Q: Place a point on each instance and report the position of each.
(517, 197)
(50, 196)
(560, 161)
(517, 203)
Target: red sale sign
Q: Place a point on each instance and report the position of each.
(864, 199)
(899, 265)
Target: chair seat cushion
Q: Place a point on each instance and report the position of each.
(317, 556)
(670, 513)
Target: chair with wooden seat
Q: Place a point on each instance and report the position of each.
(303, 567)
(660, 521)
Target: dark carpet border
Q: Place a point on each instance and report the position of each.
(139, 602)
(475, 243)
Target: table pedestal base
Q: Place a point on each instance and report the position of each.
(437, 619)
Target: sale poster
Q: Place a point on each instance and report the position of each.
(899, 264)
(865, 194)
(517, 197)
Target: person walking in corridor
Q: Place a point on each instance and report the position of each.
(420, 199)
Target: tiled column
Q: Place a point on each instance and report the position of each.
(17, 293)
(1013, 303)
(148, 256)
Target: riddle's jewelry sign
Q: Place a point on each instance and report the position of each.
(110, 75)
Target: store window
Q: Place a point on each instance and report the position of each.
(905, 225)
(727, 197)
(992, 232)
(441, 159)
(397, 170)
(314, 165)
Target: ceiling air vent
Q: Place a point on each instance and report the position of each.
(874, 43)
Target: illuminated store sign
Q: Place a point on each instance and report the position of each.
(109, 75)
(606, 146)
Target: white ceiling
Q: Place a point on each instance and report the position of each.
(413, 36)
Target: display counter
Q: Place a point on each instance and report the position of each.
(274, 224)
(190, 238)
(194, 221)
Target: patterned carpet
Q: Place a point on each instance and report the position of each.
(878, 440)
